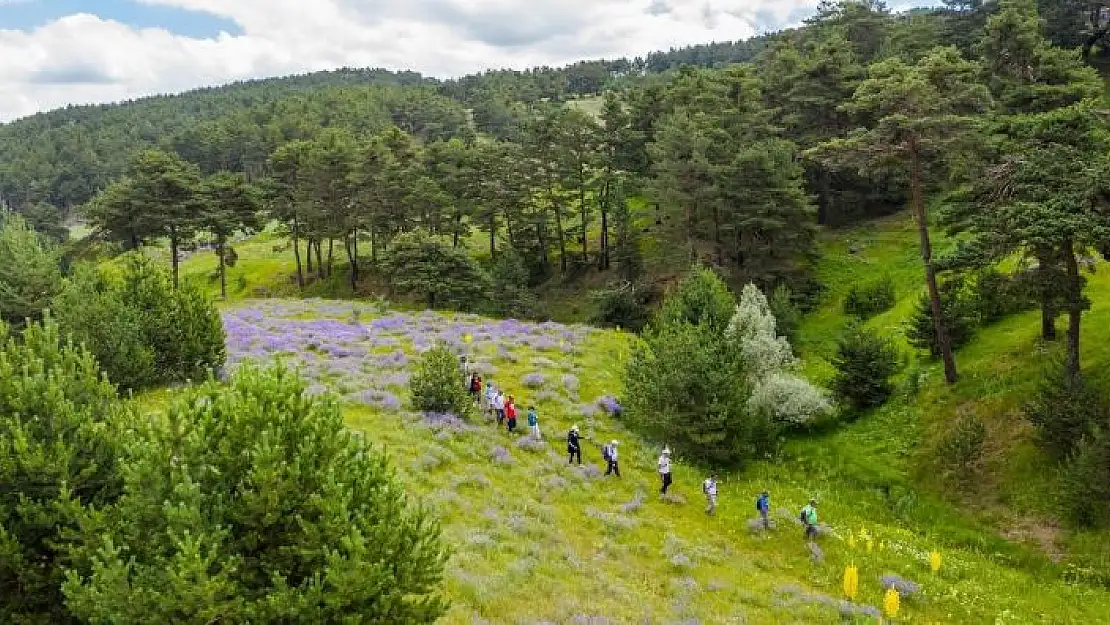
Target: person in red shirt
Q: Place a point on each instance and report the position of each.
(510, 413)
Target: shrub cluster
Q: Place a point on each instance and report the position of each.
(142, 331)
(867, 300)
(865, 364)
(437, 385)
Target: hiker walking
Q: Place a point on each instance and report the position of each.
(464, 367)
(574, 447)
(491, 392)
(665, 469)
(510, 414)
(763, 504)
(809, 519)
(534, 423)
(609, 453)
(499, 407)
(709, 487)
(476, 387)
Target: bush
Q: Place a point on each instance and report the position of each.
(701, 299)
(961, 449)
(254, 503)
(59, 452)
(788, 315)
(511, 295)
(997, 296)
(865, 364)
(959, 316)
(142, 331)
(1065, 409)
(29, 270)
(686, 386)
(625, 306)
(437, 385)
(421, 265)
(1086, 481)
(867, 300)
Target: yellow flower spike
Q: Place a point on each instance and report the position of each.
(467, 338)
(891, 603)
(851, 582)
(934, 562)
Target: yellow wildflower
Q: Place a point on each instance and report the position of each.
(851, 582)
(934, 562)
(467, 338)
(890, 603)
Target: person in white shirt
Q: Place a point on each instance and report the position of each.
(709, 487)
(609, 452)
(499, 407)
(665, 469)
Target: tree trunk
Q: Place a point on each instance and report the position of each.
(331, 255)
(373, 245)
(297, 252)
(458, 228)
(492, 235)
(944, 345)
(310, 265)
(603, 207)
(559, 227)
(1075, 306)
(585, 210)
(320, 260)
(173, 254)
(1048, 303)
(221, 244)
(351, 244)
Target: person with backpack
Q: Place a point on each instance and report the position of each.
(491, 392)
(665, 469)
(709, 487)
(464, 367)
(534, 423)
(609, 453)
(809, 519)
(475, 387)
(510, 413)
(574, 447)
(763, 505)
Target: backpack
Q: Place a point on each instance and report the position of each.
(607, 453)
(803, 516)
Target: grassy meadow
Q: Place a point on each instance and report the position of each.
(535, 540)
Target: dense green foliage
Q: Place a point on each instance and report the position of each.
(867, 300)
(711, 377)
(253, 503)
(438, 385)
(960, 319)
(29, 274)
(60, 451)
(865, 364)
(142, 331)
(419, 264)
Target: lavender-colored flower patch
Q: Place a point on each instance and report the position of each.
(534, 380)
(570, 382)
(610, 405)
(378, 399)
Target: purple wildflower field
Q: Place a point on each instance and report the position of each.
(365, 357)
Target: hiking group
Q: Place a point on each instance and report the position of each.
(503, 409)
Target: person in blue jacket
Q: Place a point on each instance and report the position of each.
(763, 504)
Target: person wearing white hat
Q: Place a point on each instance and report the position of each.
(609, 452)
(665, 469)
(574, 448)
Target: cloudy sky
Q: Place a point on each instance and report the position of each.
(58, 52)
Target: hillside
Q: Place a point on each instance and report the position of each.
(537, 541)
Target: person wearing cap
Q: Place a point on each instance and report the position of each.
(574, 448)
(709, 487)
(809, 518)
(763, 505)
(609, 452)
(665, 469)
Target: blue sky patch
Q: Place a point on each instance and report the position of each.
(29, 14)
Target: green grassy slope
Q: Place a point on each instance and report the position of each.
(1014, 489)
(537, 541)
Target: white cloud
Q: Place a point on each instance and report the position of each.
(82, 58)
